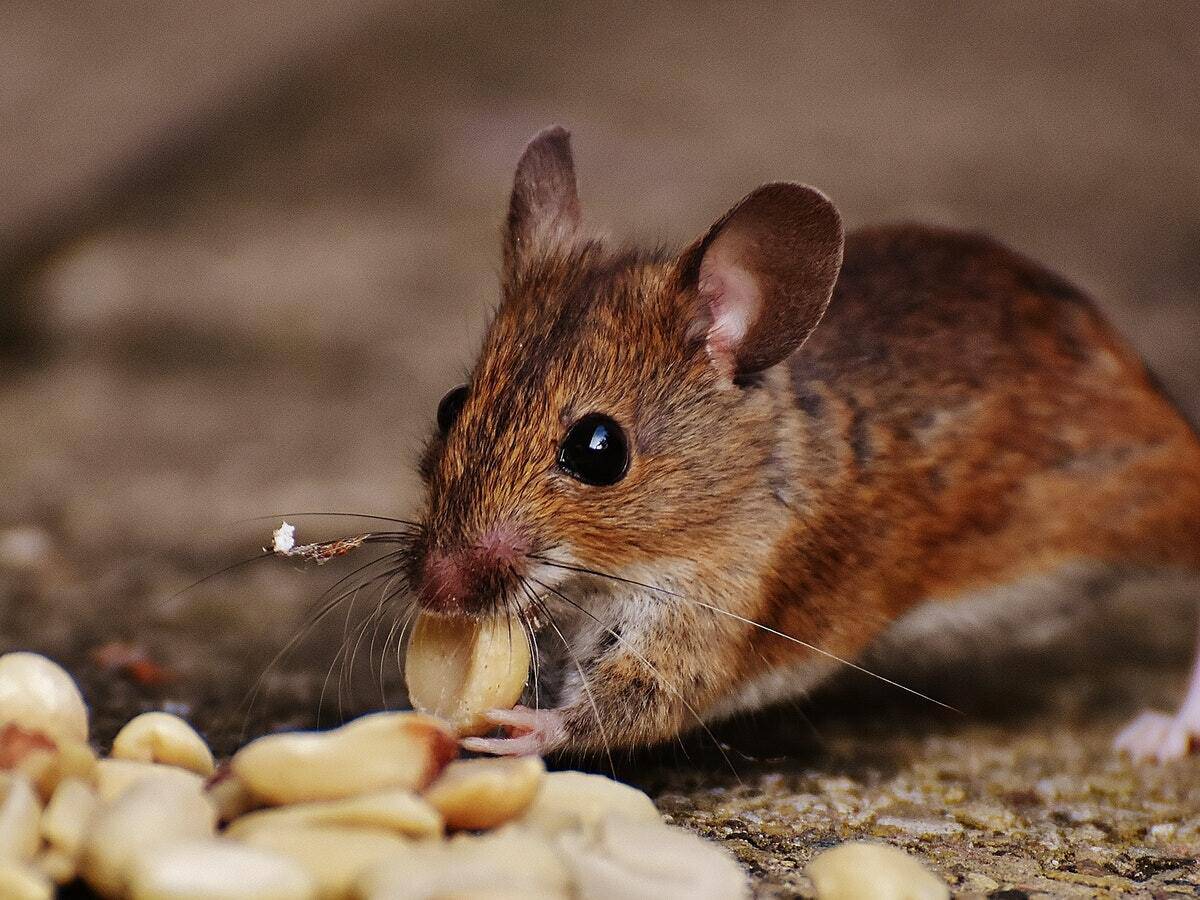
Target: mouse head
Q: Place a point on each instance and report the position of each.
(616, 418)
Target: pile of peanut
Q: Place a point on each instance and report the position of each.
(379, 808)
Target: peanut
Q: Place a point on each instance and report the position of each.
(459, 669)
(333, 857)
(56, 865)
(374, 752)
(509, 862)
(226, 792)
(48, 768)
(568, 801)
(485, 793)
(624, 858)
(399, 811)
(214, 869)
(20, 817)
(873, 870)
(162, 738)
(69, 815)
(115, 776)
(22, 882)
(38, 695)
(150, 813)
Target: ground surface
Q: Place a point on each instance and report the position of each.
(247, 246)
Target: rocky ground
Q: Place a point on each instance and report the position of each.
(246, 247)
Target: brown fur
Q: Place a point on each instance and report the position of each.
(960, 418)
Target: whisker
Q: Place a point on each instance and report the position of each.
(769, 630)
(346, 674)
(393, 556)
(347, 680)
(383, 658)
(531, 634)
(338, 664)
(161, 605)
(333, 664)
(384, 597)
(408, 523)
(407, 617)
(304, 632)
(649, 665)
(587, 688)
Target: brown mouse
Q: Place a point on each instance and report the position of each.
(705, 477)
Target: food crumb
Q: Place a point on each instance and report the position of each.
(283, 544)
(284, 538)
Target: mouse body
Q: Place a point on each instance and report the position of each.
(708, 479)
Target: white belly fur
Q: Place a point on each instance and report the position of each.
(1067, 613)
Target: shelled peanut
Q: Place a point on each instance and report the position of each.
(460, 669)
(361, 811)
(861, 869)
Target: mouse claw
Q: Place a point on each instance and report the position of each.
(529, 732)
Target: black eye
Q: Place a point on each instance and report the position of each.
(450, 406)
(595, 451)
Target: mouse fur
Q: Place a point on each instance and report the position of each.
(827, 434)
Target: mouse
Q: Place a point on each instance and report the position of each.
(705, 480)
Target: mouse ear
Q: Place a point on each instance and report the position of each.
(544, 208)
(764, 274)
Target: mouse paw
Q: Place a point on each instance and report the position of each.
(1157, 737)
(530, 732)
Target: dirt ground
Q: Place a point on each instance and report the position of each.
(246, 247)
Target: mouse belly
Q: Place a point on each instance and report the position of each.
(1071, 614)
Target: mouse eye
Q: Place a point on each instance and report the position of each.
(595, 451)
(450, 406)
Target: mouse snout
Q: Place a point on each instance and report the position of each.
(472, 579)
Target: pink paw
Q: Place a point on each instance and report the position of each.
(531, 732)
(1155, 736)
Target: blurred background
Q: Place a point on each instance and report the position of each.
(246, 246)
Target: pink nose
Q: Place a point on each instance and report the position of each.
(469, 580)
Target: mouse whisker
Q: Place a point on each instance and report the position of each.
(351, 639)
(354, 591)
(161, 605)
(393, 557)
(383, 658)
(766, 628)
(373, 622)
(346, 677)
(620, 639)
(376, 537)
(409, 616)
(407, 523)
(515, 611)
(384, 596)
(587, 687)
(307, 628)
(333, 664)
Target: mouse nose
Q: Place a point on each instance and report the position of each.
(471, 580)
